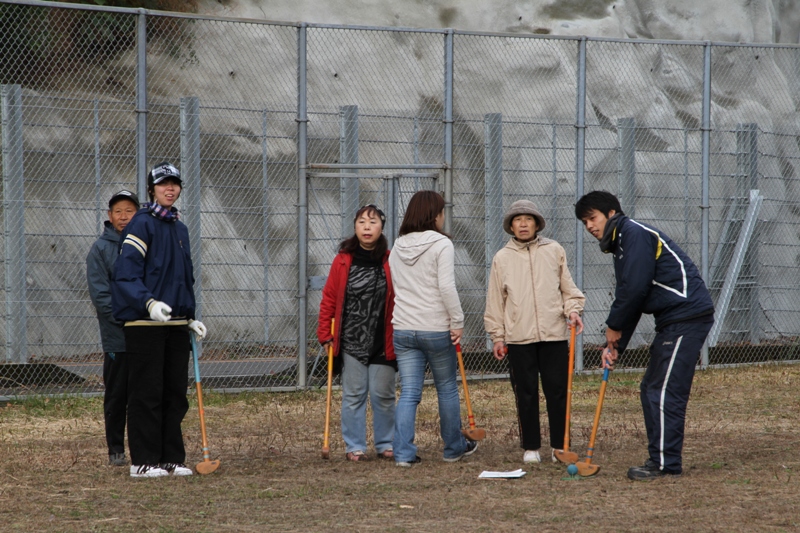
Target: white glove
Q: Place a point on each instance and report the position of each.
(159, 311)
(199, 328)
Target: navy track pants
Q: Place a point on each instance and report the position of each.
(666, 386)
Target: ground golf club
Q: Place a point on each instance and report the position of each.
(472, 432)
(565, 456)
(206, 466)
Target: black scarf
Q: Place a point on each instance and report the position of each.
(610, 233)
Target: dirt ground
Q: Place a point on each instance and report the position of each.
(741, 467)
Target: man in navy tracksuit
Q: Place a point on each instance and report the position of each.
(653, 276)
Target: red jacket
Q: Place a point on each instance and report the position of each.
(333, 303)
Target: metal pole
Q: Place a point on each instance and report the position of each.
(493, 192)
(265, 220)
(580, 146)
(448, 131)
(747, 171)
(704, 203)
(302, 206)
(391, 183)
(493, 186)
(686, 187)
(554, 207)
(190, 174)
(141, 104)
(348, 154)
(416, 151)
(626, 133)
(98, 202)
(16, 345)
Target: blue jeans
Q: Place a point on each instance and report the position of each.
(414, 349)
(358, 382)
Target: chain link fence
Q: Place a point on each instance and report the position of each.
(283, 130)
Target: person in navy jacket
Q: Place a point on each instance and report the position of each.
(358, 298)
(152, 294)
(653, 276)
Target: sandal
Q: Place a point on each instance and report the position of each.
(356, 456)
(386, 454)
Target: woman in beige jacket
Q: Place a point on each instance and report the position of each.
(530, 303)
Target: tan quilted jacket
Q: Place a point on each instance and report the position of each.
(531, 293)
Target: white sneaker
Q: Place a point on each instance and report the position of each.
(531, 456)
(177, 469)
(148, 471)
(553, 456)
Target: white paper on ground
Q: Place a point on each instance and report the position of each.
(505, 475)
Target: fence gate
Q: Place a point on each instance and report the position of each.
(333, 199)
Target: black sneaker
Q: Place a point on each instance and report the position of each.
(649, 470)
(407, 464)
(117, 459)
(472, 445)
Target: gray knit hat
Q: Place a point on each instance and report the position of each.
(522, 207)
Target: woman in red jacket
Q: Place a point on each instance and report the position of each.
(359, 297)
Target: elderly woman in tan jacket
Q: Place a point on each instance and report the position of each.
(530, 303)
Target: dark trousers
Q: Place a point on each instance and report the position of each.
(526, 362)
(115, 400)
(158, 363)
(666, 386)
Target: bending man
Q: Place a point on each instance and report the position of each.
(653, 276)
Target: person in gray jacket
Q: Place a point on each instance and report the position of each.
(99, 266)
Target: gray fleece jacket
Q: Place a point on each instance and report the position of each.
(423, 274)
(99, 265)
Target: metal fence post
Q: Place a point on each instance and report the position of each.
(448, 131)
(190, 174)
(302, 205)
(747, 177)
(493, 187)
(265, 219)
(392, 184)
(686, 186)
(98, 202)
(348, 154)
(416, 151)
(554, 230)
(704, 203)
(141, 104)
(626, 133)
(580, 161)
(16, 345)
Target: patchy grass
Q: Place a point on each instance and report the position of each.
(740, 467)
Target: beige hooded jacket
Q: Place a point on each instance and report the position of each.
(531, 293)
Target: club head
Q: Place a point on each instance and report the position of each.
(207, 467)
(474, 433)
(587, 469)
(566, 457)
(326, 453)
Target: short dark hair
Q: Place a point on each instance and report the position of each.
(602, 201)
(421, 213)
(350, 244)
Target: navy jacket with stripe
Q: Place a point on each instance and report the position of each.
(654, 276)
(155, 262)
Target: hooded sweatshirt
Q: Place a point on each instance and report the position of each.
(423, 274)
